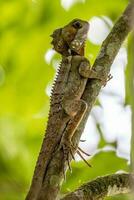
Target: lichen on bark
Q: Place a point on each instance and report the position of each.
(103, 186)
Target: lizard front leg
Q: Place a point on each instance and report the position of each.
(86, 71)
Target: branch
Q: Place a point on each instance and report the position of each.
(130, 96)
(102, 187)
(110, 47)
(131, 90)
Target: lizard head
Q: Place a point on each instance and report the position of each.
(70, 39)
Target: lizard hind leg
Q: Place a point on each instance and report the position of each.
(66, 143)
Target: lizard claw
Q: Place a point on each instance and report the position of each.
(82, 140)
(83, 151)
(108, 79)
(79, 151)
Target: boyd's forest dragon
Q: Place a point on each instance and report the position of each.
(66, 106)
(69, 41)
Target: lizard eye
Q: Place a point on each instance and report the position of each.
(77, 25)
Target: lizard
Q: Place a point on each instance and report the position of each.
(65, 102)
(67, 42)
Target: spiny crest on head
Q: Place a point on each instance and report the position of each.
(58, 42)
(55, 35)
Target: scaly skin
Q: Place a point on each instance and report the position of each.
(70, 40)
(64, 116)
(56, 123)
(58, 119)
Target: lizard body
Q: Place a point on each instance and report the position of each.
(56, 123)
(66, 106)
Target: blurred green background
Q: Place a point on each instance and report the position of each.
(27, 69)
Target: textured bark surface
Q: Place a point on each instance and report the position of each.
(108, 52)
(131, 89)
(103, 186)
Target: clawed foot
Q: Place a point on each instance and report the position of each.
(69, 150)
(108, 79)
